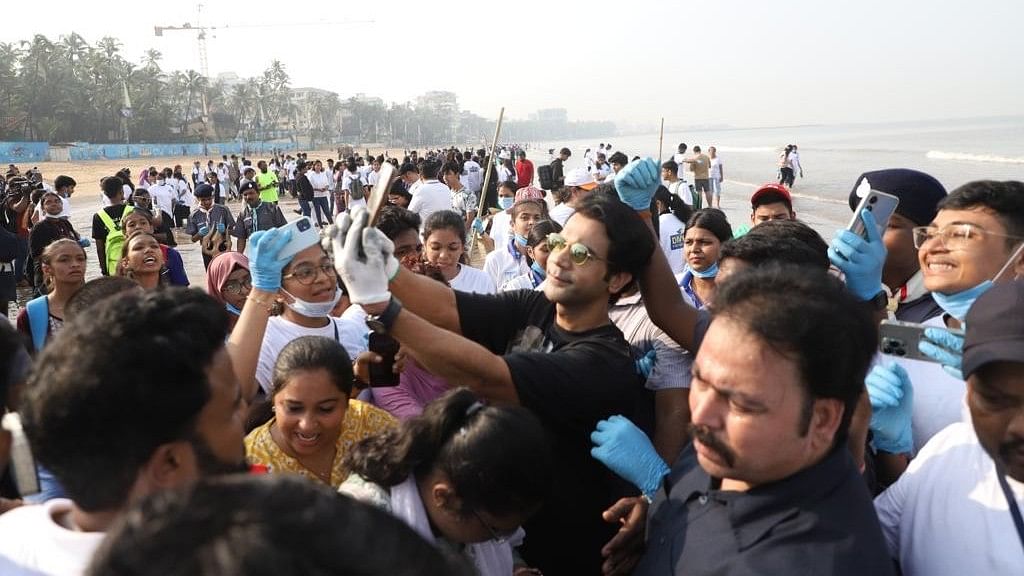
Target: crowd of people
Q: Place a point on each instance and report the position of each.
(629, 383)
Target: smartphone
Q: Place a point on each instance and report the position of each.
(901, 339)
(304, 235)
(23, 464)
(382, 373)
(881, 205)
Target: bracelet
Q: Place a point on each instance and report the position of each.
(270, 306)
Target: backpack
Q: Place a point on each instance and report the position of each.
(546, 177)
(115, 240)
(38, 310)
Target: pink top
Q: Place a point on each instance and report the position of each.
(416, 388)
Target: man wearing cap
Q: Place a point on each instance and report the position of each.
(256, 215)
(956, 510)
(578, 185)
(524, 170)
(919, 194)
(975, 241)
(769, 202)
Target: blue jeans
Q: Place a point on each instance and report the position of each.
(322, 205)
(304, 207)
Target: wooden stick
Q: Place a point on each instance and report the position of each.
(661, 138)
(487, 180)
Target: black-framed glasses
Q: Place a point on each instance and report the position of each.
(579, 253)
(238, 286)
(306, 275)
(497, 536)
(954, 237)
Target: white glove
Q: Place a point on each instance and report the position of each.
(365, 274)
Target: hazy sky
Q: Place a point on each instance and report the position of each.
(740, 62)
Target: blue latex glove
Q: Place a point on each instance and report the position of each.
(204, 230)
(637, 182)
(892, 400)
(221, 227)
(84, 242)
(264, 265)
(645, 365)
(860, 260)
(627, 451)
(478, 225)
(946, 348)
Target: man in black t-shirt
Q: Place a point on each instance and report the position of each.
(113, 189)
(555, 352)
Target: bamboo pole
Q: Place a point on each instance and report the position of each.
(661, 139)
(487, 180)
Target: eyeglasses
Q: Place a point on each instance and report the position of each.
(237, 286)
(954, 237)
(306, 275)
(579, 253)
(497, 536)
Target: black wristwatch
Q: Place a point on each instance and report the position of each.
(381, 323)
(879, 301)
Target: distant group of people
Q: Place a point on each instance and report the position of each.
(629, 384)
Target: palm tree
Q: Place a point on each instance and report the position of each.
(193, 82)
(151, 60)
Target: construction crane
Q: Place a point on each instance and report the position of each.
(201, 31)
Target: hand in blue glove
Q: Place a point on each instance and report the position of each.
(860, 260)
(627, 451)
(264, 264)
(204, 230)
(84, 242)
(645, 365)
(892, 400)
(946, 348)
(478, 225)
(637, 182)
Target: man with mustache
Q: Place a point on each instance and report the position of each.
(123, 404)
(956, 510)
(767, 484)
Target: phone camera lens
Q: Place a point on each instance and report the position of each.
(873, 199)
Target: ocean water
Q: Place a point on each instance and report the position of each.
(833, 156)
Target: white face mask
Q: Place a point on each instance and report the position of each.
(313, 309)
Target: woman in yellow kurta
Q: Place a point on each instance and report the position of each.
(315, 423)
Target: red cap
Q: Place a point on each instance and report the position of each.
(771, 188)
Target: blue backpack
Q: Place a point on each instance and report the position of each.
(38, 320)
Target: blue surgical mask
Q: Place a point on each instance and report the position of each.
(313, 309)
(538, 270)
(957, 305)
(506, 202)
(520, 240)
(711, 272)
(232, 309)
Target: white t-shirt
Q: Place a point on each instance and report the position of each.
(504, 174)
(34, 542)
(281, 331)
(500, 225)
(939, 399)
(716, 168)
(163, 196)
(318, 181)
(670, 232)
(794, 161)
(672, 368)
(681, 171)
(65, 211)
(561, 213)
(947, 514)
(601, 172)
(372, 177)
(184, 193)
(682, 189)
(501, 266)
(471, 280)
(431, 196)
